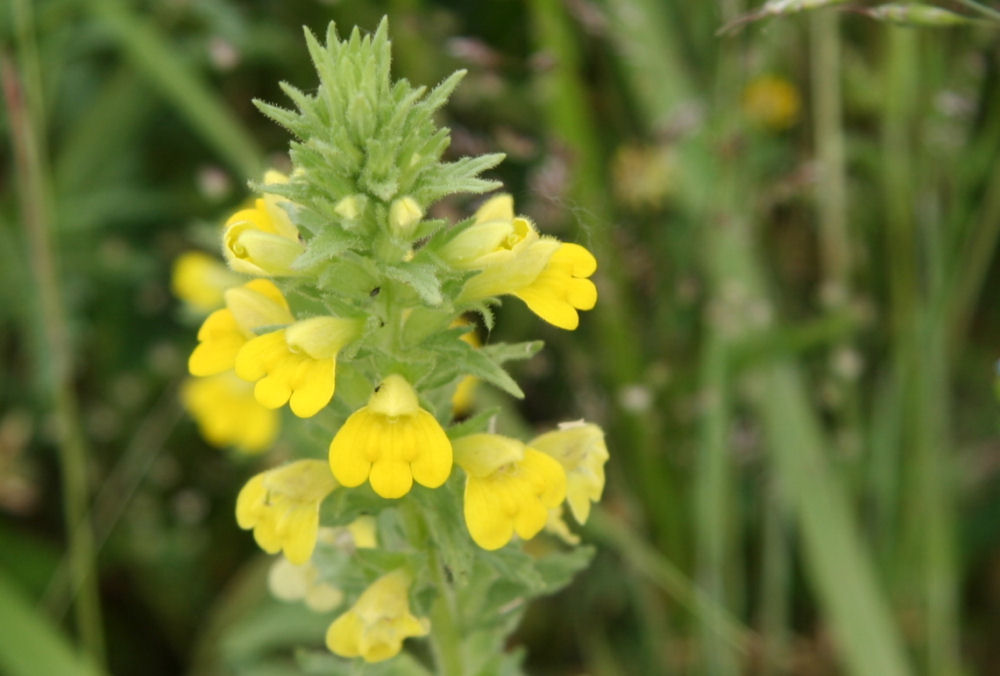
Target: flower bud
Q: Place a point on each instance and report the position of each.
(349, 208)
(404, 214)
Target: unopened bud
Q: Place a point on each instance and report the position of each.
(404, 214)
(349, 208)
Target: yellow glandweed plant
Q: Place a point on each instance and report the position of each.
(346, 302)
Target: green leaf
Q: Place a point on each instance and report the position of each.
(557, 570)
(421, 277)
(503, 352)
(30, 644)
(480, 422)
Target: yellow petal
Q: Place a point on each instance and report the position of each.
(249, 500)
(497, 208)
(432, 466)
(480, 455)
(315, 389)
(349, 461)
(260, 354)
(391, 478)
(343, 636)
(484, 517)
(219, 339)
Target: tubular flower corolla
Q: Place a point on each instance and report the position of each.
(581, 451)
(262, 240)
(551, 277)
(376, 625)
(509, 488)
(282, 507)
(297, 364)
(253, 305)
(391, 442)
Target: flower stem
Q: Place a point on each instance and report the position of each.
(445, 637)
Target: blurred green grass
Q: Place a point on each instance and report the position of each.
(793, 353)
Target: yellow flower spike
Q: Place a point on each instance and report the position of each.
(379, 621)
(297, 365)
(250, 306)
(581, 451)
(391, 442)
(509, 488)
(404, 215)
(282, 507)
(200, 280)
(288, 581)
(227, 413)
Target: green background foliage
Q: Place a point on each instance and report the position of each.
(793, 352)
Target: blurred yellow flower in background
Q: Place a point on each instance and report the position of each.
(201, 280)
(772, 101)
(227, 413)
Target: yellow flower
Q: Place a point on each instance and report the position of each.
(550, 276)
(391, 442)
(509, 488)
(282, 507)
(772, 101)
(200, 280)
(644, 176)
(297, 364)
(581, 451)
(253, 305)
(227, 413)
(376, 625)
(494, 236)
(262, 240)
(562, 287)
